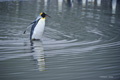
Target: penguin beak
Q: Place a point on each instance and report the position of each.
(47, 16)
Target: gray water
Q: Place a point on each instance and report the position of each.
(81, 40)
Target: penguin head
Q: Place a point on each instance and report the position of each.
(44, 15)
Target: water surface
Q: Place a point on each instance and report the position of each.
(81, 40)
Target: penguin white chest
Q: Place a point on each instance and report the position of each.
(39, 29)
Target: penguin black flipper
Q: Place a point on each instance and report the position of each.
(32, 23)
(29, 26)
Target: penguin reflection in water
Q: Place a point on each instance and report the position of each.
(38, 54)
(37, 27)
(35, 38)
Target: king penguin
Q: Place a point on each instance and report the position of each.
(38, 27)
